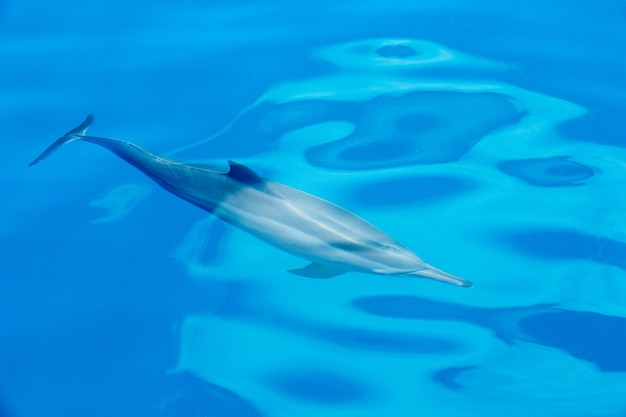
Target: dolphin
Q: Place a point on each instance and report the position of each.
(331, 238)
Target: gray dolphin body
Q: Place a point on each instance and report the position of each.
(331, 238)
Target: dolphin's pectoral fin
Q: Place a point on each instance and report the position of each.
(317, 271)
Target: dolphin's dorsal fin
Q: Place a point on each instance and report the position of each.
(317, 271)
(243, 174)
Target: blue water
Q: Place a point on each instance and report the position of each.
(486, 136)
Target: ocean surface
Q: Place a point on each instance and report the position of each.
(486, 136)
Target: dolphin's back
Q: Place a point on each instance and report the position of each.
(315, 229)
(346, 226)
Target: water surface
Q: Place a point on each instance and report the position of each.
(486, 137)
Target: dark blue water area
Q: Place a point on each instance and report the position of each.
(311, 385)
(77, 327)
(548, 172)
(493, 130)
(567, 244)
(547, 325)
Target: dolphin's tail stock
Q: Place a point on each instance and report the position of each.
(439, 275)
(75, 134)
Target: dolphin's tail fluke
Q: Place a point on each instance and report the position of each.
(439, 275)
(75, 134)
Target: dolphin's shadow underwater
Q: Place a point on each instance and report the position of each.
(331, 238)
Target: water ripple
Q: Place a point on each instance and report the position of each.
(567, 244)
(420, 137)
(401, 191)
(548, 172)
(547, 325)
(312, 385)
